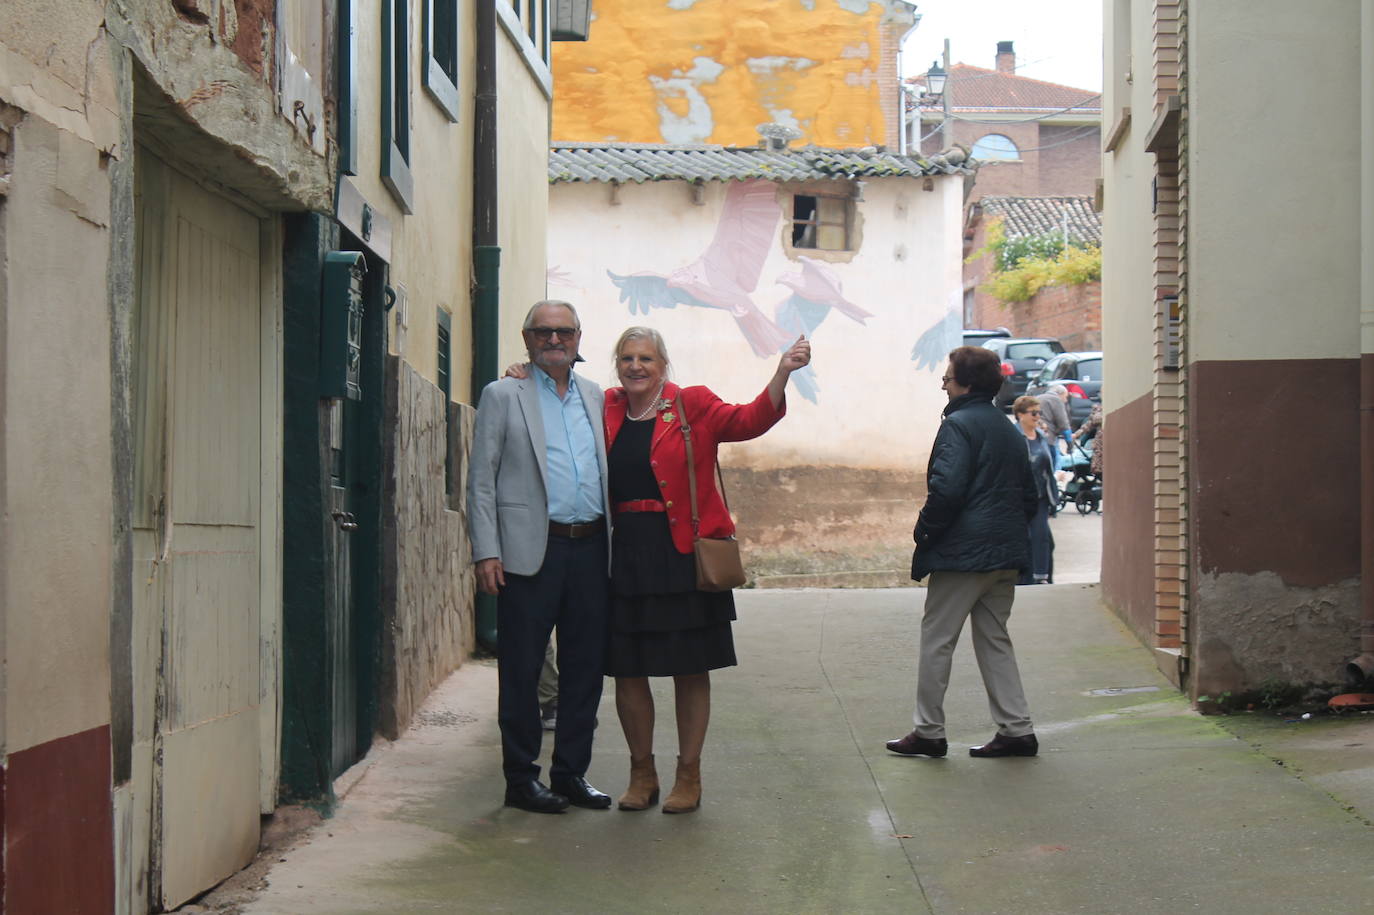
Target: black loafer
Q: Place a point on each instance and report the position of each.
(535, 798)
(914, 744)
(581, 794)
(1002, 745)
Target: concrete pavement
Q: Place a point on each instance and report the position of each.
(1136, 803)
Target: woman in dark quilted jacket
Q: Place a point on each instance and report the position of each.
(971, 541)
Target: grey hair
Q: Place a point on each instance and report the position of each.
(643, 333)
(529, 316)
(1056, 389)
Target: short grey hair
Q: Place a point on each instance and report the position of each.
(1057, 390)
(559, 303)
(643, 333)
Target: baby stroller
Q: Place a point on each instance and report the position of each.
(1084, 488)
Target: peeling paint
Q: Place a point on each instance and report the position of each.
(1251, 628)
(819, 62)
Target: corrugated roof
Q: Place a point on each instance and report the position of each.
(977, 89)
(640, 162)
(1024, 216)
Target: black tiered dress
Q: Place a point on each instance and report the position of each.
(661, 625)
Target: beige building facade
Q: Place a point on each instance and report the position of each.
(1236, 316)
(238, 243)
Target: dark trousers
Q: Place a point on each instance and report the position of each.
(570, 591)
(1041, 546)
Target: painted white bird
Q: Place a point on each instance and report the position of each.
(816, 289)
(727, 273)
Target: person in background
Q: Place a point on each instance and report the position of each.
(1043, 457)
(971, 541)
(1054, 412)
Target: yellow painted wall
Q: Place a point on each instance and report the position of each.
(711, 71)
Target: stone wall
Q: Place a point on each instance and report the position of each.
(427, 580)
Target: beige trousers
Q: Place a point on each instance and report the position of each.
(952, 597)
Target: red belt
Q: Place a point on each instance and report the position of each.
(640, 505)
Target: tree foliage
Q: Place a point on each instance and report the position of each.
(1023, 266)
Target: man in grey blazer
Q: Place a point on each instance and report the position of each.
(537, 502)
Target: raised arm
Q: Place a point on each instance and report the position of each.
(798, 355)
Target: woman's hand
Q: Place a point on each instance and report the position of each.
(797, 356)
(517, 370)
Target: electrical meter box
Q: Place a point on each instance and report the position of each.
(341, 325)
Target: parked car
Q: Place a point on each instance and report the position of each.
(1081, 373)
(1022, 359)
(975, 337)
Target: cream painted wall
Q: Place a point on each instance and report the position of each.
(55, 556)
(875, 409)
(523, 145)
(431, 253)
(1127, 223)
(1274, 204)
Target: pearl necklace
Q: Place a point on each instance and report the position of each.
(653, 404)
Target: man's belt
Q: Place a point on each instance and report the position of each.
(577, 529)
(640, 505)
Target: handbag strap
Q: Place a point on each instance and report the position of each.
(692, 468)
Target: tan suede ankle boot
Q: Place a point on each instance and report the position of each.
(643, 790)
(686, 794)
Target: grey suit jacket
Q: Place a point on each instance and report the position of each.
(508, 503)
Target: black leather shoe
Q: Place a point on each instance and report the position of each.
(1002, 745)
(581, 794)
(535, 798)
(914, 744)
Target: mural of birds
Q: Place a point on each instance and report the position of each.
(933, 346)
(726, 274)
(816, 290)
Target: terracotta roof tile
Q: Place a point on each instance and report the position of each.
(1024, 216)
(974, 88)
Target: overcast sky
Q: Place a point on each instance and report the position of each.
(1056, 40)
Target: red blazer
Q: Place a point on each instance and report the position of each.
(713, 421)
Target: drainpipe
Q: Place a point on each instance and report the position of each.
(486, 248)
(901, 85)
(1362, 667)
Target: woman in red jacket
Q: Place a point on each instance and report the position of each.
(661, 625)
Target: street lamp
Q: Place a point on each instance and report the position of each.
(935, 79)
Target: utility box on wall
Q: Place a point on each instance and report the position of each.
(341, 325)
(572, 20)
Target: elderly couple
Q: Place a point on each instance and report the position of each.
(581, 518)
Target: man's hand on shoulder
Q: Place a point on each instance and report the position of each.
(491, 576)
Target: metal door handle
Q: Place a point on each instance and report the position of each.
(346, 521)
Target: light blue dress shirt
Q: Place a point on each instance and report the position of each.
(574, 482)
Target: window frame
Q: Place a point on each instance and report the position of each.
(848, 224)
(396, 124)
(439, 83)
(536, 52)
(1015, 148)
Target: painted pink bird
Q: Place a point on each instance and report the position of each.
(727, 273)
(816, 289)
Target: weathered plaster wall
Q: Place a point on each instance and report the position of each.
(849, 463)
(874, 407)
(523, 145)
(710, 71)
(428, 586)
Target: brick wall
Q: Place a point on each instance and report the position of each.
(1070, 169)
(1056, 160)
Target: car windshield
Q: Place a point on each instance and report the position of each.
(1090, 369)
(1041, 349)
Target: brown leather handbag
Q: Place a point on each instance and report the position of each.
(719, 566)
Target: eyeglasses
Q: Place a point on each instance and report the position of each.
(545, 333)
(946, 379)
(1033, 412)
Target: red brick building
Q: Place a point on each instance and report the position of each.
(1070, 314)
(1033, 138)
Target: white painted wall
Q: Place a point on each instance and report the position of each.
(875, 409)
(1127, 222)
(1274, 211)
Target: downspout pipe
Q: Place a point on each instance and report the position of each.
(902, 145)
(1361, 668)
(486, 247)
